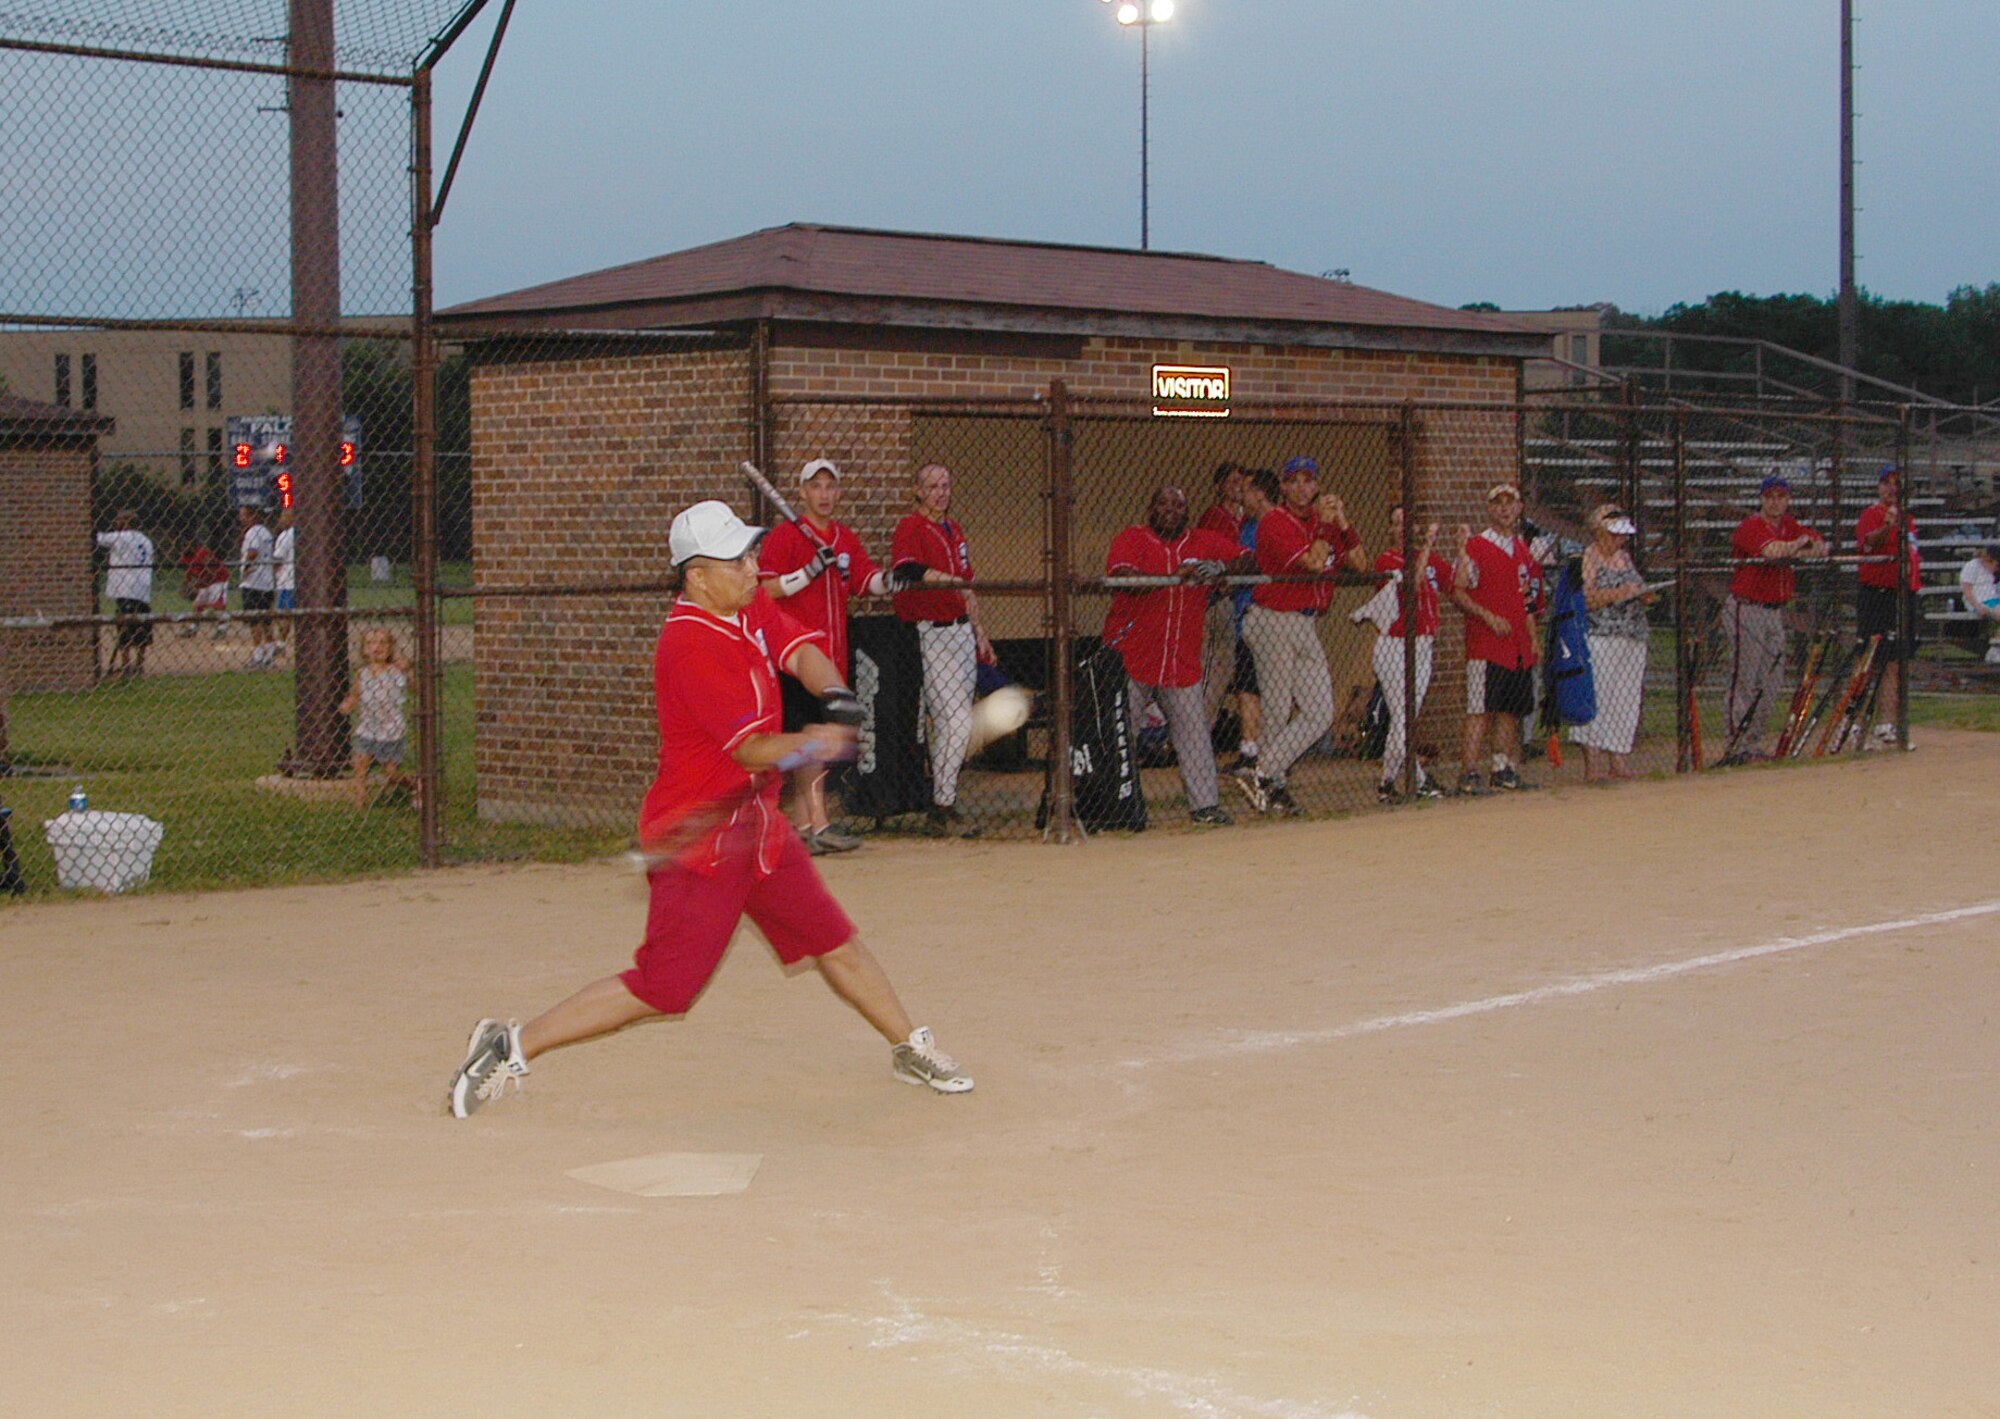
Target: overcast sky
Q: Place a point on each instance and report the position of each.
(1543, 152)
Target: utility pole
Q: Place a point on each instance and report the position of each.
(1849, 304)
(319, 487)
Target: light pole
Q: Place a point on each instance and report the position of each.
(1142, 15)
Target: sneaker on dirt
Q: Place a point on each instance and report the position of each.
(918, 1060)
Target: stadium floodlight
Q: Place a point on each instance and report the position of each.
(1133, 15)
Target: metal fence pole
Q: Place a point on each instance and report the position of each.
(1906, 602)
(1060, 610)
(1412, 578)
(1685, 708)
(423, 480)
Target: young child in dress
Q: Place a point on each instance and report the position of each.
(376, 702)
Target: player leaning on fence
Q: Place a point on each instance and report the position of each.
(949, 635)
(1157, 632)
(721, 848)
(1308, 533)
(1432, 585)
(1878, 610)
(1764, 546)
(1500, 591)
(815, 568)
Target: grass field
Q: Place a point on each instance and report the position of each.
(363, 592)
(187, 750)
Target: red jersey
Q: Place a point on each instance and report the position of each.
(1878, 567)
(1282, 538)
(822, 606)
(1158, 632)
(1506, 580)
(203, 567)
(1437, 583)
(941, 547)
(715, 683)
(1765, 583)
(1221, 521)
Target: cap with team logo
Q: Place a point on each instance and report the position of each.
(711, 529)
(818, 466)
(1503, 490)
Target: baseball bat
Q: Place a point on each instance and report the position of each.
(770, 492)
(1842, 712)
(1801, 695)
(1870, 702)
(1833, 681)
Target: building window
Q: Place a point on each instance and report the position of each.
(214, 379)
(187, 458)
(187, 379)
(214, 454)
(90, 381)
(1579, 349)
(62, 380)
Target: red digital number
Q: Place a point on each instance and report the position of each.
(346, 453)
(281, 455)
(242, 455)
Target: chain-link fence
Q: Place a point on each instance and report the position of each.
(313, 592)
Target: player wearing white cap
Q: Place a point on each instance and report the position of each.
(719, 847)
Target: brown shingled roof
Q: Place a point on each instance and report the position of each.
(18, 414)
(803, 271)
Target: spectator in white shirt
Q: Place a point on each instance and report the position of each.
(284, 563)
(1979, 586)
(129, 583)
(259, 581)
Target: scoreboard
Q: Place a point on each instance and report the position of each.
(260, 460)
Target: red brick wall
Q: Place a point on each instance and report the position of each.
(45, 549)
(581, 460)
(578, 466)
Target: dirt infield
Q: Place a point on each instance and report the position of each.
(1672, 1099)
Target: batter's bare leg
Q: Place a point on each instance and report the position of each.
(598, 1009)
(858, 978)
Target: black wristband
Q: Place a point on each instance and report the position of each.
(841, 707)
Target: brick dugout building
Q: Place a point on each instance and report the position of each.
(603, 403)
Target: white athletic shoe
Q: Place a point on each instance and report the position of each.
(492, 1058)
(918, 1060)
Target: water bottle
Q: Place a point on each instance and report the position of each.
(78, 803)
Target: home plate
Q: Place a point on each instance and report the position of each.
(674, 1174)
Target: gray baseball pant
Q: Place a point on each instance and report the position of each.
(1188, 724)
(1756, 668)
(951, 674)
(1296, 685)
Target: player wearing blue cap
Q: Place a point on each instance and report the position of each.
(1764, 546)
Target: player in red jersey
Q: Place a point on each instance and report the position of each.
(1499, 588)
(1435, 584)
(721, 848)
(1307, 533)
(814, 569)
(1158, 633)
(1878, 611)
(949, 635)
(1764, 546)
(1224, 517)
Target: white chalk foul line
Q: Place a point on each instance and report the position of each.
(1021, 1358)
(1266, 1041)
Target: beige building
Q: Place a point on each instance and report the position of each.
(1575, 340)
(169, 390)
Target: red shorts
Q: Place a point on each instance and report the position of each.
(692, 917)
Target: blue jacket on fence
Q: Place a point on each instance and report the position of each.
(1569, 691)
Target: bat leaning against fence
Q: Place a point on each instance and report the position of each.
(1828, 686)
(1843, 713)
(1802, 693)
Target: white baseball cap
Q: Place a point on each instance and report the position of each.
(711, 529)
(819, 465)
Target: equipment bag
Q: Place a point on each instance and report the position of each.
(1569, 692)
(1104, 775)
